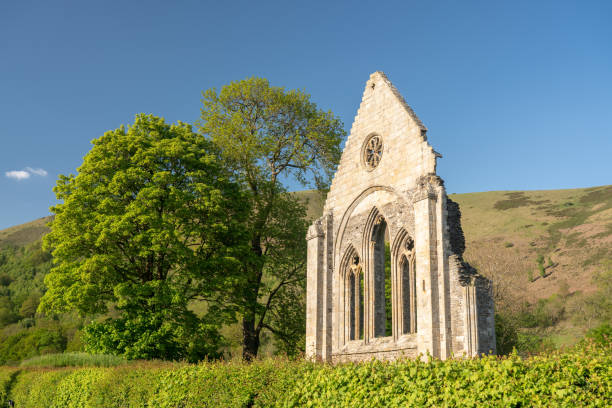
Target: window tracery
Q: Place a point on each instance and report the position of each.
(372, 152)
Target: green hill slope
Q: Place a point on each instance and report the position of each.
(24, 234)
(570, 229)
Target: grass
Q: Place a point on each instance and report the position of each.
(74, 360)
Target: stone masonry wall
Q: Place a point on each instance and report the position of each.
(454, 306)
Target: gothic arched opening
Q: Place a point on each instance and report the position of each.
(408, 292)
(383, 322)
(356, 300)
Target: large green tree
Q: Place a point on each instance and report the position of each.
(151, 223)
(268, 135)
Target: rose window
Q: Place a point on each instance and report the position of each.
(372, 152)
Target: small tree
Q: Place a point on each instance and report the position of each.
(530, 275)
(151, 223)
(29, 305)
(506, 334)
(541, 268)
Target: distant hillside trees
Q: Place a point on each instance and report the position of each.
(268, 135)
(151, 222)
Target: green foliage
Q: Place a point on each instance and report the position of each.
(595, 308)
(601, 335)
(151, 222)
(37, 388)
(288, 315)
(578, 377)
(29, 306)
(31, 342)
(599, 304)
(530, 275)
(265, 131)
(7, 316)
(542, 270)
(506, 334)
(529, 343)
(555, 380)
(153, 336)
(73, 360)
(5, 279)
(266, 134)
(7, 377)
(544, 313)
(21, 278)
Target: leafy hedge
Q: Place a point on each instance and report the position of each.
(581, 377)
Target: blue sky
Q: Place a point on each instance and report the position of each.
(515, 94)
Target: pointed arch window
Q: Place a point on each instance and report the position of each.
(408, 282)
(383, 316)
(354, 300)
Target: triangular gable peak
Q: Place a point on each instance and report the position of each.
(404, 154)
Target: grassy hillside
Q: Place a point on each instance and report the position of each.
(548, 252)
(570, 229)
(24, 234)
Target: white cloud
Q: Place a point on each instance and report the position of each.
(17, 174)
(25, 173)
(38, 172)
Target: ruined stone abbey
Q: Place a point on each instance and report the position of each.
(385, 274)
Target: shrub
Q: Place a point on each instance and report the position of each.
(506, 334)
(542, 270)
(29, 306)
(601, 335)
(152, 337)
(545, 313)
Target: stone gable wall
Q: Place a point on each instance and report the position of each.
(454, 306)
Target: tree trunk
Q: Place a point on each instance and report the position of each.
(250, 339)
(250, 332)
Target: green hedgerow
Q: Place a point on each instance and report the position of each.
(581, 376)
